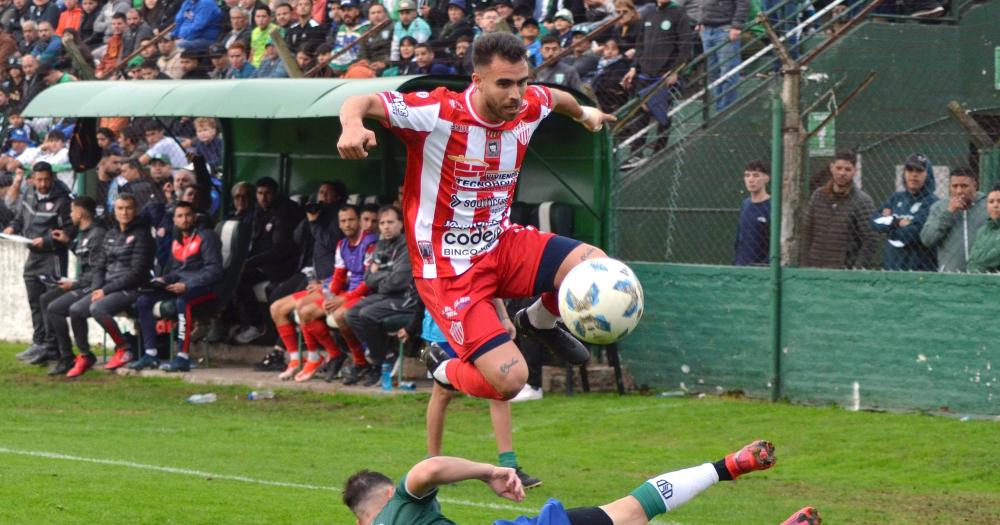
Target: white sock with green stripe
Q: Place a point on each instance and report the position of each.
(668, 491)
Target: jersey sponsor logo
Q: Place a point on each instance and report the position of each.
(449, 312)
(426, 250)
(462, 302)
(489, 181)
(457, 332)
(489, 202)
(450, 223)
(459, 128)
(398, 107)
(468, 242)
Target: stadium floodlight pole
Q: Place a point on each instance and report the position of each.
(364, 36)
(586, 39)
(774, 256)
(286, 55)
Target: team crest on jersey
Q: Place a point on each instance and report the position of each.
(426, 250)
(456, 105)
(522, 132)
(457, 332)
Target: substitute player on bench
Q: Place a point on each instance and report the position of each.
(464, 154)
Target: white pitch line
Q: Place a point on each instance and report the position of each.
(246, 479)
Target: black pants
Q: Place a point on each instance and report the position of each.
(249, 310)
(56, 312)
(296, 283)
(103, 312)
(366, 320)
(53, 264)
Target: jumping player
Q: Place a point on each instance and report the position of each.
(464, 153)
(374, 499)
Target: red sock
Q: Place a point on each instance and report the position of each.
(318, 330)
(467, 378)
(357, 349)
(550, 300)
(288, 337)
(309, 340)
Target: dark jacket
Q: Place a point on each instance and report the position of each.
(126, 260)
(46, 13)
(954, 234)
(393, 275)
(87, 248)
(450, 33)
(731, 13)
(903, 248)
(378, 47)
(145, 192)
(131, 38)
(318, 241)
(36, 216)
(298, 35)
(985, 256)
(229, 38)
(272, 250)
(196, 260)
(664, 40)
(836, 233)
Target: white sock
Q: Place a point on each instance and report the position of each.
(312, 356)
(294, 356)
(439, 373)
(183, 355)
(681, 486)
(151, 352)
(540, 317)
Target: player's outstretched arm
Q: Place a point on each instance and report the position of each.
(591, 117)
(355, 139)
(431, 473)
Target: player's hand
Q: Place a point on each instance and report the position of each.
(593, 119)
(177, 288)
(905, 222)
(65, 284)
(506, 484)
(332, 304)
(60, 235)
(9, 230)
(402, 335)
(37, 242)
(734, 34)
(96, 295)
(355, 141)
(314, 286)
(627, 79)
(508, 325)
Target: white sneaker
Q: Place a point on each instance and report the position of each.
(929, 13)
(248, 335)
(527, 394)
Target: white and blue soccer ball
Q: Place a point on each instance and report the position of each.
(600, 300)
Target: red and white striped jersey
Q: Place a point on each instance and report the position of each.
(461, 172)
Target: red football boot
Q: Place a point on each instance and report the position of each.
(804, 516)
(758, 455)
(81, 364)
(120, 359)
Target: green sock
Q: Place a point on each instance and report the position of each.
(651, 501)
(508, 459)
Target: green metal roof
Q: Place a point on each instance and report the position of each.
(250, 99)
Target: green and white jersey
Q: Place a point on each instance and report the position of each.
(405, 509)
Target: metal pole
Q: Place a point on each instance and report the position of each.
(774, 255)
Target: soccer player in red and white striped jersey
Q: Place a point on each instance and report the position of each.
(464, 155)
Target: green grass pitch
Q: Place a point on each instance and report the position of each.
(163, 461)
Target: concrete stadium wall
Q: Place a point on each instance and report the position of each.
(910, 340)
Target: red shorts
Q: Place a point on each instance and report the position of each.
(462, 305)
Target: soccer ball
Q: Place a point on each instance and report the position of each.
(600, 300)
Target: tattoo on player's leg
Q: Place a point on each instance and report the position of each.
(588, 254)
(504, 368)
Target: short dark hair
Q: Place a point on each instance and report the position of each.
(424, 45)
(504, 45)
(267, 182)
(42, 166)
(548, 39)
(283, 4)
(151, 125)
(338, 187)
(349, 207)
(390, 207)
(184, 204)
(847, 155)
(149, 63)
(125, 196)
(106, 132)
(360, 486)
(408, 38)
(119, 16)
(260, 7)
(757, 165)
(966, 172)
(88, 204)
(371, 208)
(56, 134)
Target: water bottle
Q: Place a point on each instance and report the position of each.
(201, 399)
(386, 376)
(257, 395)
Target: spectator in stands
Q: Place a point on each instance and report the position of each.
(107, 141)
(239, 20)
(70, 18)
(197, 24)
(113, 51)
(408, 25)
(271, 66)
(985, 256)
(19, 143)
(160, 143)
(390, 279)
(423, 57)
(405, 65)
(487, 20)
(345, 290)
(136, 31)
(261, 33)
(607, 79)
(44, 207)
(88, 35)
(753, 232)
(558, 72)
(170, 57)
(86, 246)
(139, 185)
(529, 34)
(52, 151)
(664, 44)
(456, 27)
(583, 59)
(29, 37)
(239, 67)
(243, 195)
(207, 143)
(319, 235)
(836, 232)
(720, 25)
(304, 30)
(283, 16)
(377, 48)
(159, 168)
(33, 82)
(53, 76)
(157, 13)
(44, 11)
(220, 62)
(348, 32)
(904, 214)
(305, 57)
(102, 25)
(195, 269)
(563, 24)
(126, 263)
(952, 224)
(628, 28)
(191, 67)
(463, 57)
(597, 10)
(272, 255)
(149, 70)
